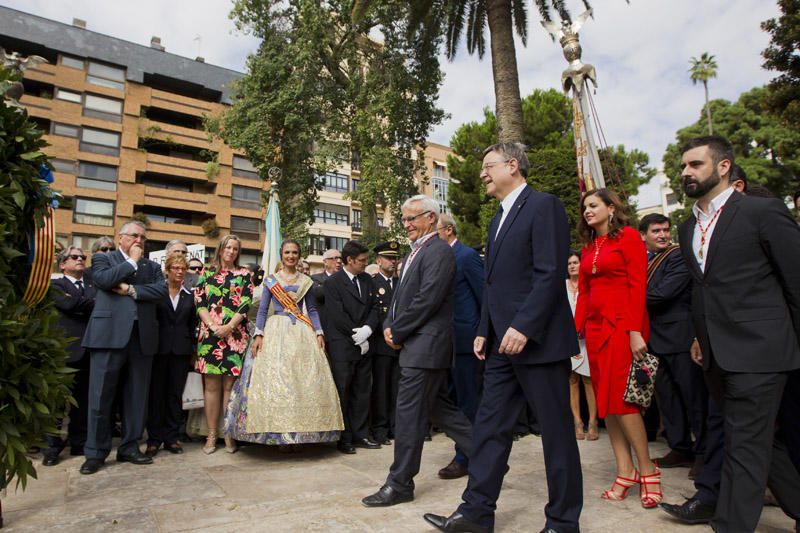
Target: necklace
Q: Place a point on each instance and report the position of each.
(704, 231)
(287, 279)
(597, 252)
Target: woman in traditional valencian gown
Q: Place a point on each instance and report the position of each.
(612, 317)
(286, 394)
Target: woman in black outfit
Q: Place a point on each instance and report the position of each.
(177, 320)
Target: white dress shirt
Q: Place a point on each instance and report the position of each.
(508, 204)
(129, 260)
(708, 221)
(353, 277)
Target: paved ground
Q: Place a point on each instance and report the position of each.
(316, 489)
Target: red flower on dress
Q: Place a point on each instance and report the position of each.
(217, 354)
(235, 371)
(200, 365)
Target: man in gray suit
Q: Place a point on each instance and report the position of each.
(122, 333)
(420, 325)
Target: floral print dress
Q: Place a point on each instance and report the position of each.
(224, 294)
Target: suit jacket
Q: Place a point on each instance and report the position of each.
(74, 310)
(113, 316)
(346, 310)
(468, 297)
(421, 314)
(176, 327)
(669, 305)
(383, 299)
(526, 265)
(319, 280)
(746, 305)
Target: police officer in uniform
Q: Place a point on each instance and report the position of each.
(385, 366)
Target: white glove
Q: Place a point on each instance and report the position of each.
(364, 347)
(361, 334)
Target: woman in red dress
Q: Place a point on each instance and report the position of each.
(612, 317)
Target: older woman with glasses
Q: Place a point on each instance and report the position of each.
(103, 245)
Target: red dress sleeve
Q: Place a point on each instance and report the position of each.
(581, 308)
(635, 255)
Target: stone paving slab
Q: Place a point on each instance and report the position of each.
(319, 489)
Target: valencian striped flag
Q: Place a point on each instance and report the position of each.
(273, 239)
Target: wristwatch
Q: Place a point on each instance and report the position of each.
(132, 291)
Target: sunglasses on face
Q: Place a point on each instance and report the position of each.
(195, 268)
(75, 257)
(105, 249)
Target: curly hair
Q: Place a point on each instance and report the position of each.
(615, 225)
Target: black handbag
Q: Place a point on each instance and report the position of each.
(642, 381)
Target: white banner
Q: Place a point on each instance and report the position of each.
(196, 251)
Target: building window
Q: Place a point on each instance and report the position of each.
(96, 176)
(167, 216)
(439, 190)
(356, 224)
(672, 198)
(333, 182)
(66, 130)
(246, 197)
(331, 214)
(106, 76)
(72, 62)
(354, 184)
(100, 141)
(243, 168)
(439, 170)
(63, 165)
(84, 242)
(96, 212)
(171, 184)
(103, 108)
(69, 96)
(247, 228)
(319, 243)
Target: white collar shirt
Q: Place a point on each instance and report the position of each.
(128, 259)
(508, 204)
(352, 277)
(708, 221)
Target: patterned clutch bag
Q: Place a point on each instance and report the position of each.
(641, 381)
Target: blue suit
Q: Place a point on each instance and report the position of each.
(466, 371)
(525, 270)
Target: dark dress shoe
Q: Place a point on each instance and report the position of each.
(453, 471)
(691, 512)
(50, 459)
(346, 448)
(674, 460)
(387, 496)
(137, 458)
(386, 441)
(455, 522)
(90, 466)
(151, 451)
(366, 443)
(175, 448)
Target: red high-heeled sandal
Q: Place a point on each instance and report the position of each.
(650, 498)
(625, 483)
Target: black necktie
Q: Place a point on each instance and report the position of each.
(355, 283)
(650, 256)
(79, 284)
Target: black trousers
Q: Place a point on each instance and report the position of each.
(76, 430)
(129, 369)
(353, 383)
(507, 389)
(422, 398)
(707, 481)
(385, 378)
(466, 376)
(750, 404)
(683, 400)
(165, 406)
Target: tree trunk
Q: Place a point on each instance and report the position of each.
(708, 110)
(504, 69)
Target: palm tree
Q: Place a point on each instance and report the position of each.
(704, 69)
(503, 17)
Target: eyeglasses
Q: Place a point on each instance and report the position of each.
(135, 236)
(413, 218)
(105, 249)
(196, 268)
(75, 257)
(337, 258)
(487, 166)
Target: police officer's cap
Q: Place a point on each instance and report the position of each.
(388, 249)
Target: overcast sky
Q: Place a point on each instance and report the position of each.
(641, 51)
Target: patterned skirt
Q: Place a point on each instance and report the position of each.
(285, 395)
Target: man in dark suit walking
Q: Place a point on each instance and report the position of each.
(385, 366)
(420, 325)
(74, 296)
(681, 391)
(527, 336)
(332, 263)
(352, 317)
(743, 253)
(466, 371)
(122, 337)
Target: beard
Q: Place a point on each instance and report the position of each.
(697, 189)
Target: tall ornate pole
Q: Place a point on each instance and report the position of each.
(574, 80)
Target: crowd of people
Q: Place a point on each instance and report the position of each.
(470, 345)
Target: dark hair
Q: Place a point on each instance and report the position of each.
(292, 241)
(353, 249)
(720, 147)
(796, 196)
(738, 173)
(759, 191)
(649, 220)
(620, 220)
(576, 253)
